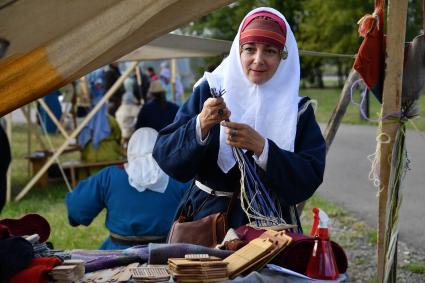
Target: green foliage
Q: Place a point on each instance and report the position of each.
(414, 19)
(224, 23)
(318, 25)
(416, 267)
(372, 236)
(332, 25)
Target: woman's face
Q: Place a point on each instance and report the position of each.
(259, 61)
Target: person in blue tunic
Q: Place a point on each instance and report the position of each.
(52, 101)
(139, 197)
(275, 128)
(158, 112)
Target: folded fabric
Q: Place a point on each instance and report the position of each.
(27, 225)
(37, 271)
(97, 260)
(15, 255)
(142, 251)
(160, 253)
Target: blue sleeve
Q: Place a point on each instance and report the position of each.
(87, 200)
(295, 176)
(176, 149)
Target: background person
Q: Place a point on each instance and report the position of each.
(100, 139)
(158, 112)
(139, 197)
(126, 114)
(111, 75)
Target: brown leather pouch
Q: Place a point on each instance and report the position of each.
(208, 231)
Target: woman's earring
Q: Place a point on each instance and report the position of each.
(284, 53)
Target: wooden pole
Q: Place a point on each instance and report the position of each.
(139, 83)
(29, 121)
(340, 109)
(53, 117)
(391, 104)
(74, 134)
(85, 96)
(9, 171)
(173, 79)
(29, 141)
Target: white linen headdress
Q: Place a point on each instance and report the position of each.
(143, 171)
(270, 108)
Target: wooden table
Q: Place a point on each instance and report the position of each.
(74, 166)
(40, 157)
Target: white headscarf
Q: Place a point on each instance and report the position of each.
(270, 108)
(143, 171)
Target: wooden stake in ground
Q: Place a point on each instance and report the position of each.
(391, 106)
(29, 141)
(340, 109)
(9, 171)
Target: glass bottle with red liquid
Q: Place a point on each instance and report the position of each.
(322, 264)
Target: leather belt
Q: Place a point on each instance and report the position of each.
(210, 191)
(136, 240)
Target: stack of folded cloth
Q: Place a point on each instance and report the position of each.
(195, 270)
(70, 271)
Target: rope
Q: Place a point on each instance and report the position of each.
(326, 54)
(49, 141)
(374, 160)
(363, 101)
(257, 202)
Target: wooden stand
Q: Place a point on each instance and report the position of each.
(37, 160)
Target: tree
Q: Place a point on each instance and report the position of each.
(224, 23)
(330, 26)
(318, 25)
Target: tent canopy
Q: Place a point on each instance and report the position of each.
(178, 46)
(54, 42)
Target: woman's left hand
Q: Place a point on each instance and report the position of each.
(243, 136)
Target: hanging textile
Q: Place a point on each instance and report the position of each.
(370, 59)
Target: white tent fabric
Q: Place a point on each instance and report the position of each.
(54, 42)
(179, 46)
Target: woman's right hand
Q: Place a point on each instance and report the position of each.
(213, 112)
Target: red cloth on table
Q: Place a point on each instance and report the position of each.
(37, 271)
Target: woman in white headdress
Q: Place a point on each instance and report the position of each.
(275, 128)
(139, 197)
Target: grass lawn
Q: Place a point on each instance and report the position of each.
(49, 201)
(328, 98)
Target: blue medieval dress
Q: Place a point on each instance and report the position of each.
(292, 177)
(129, 212)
